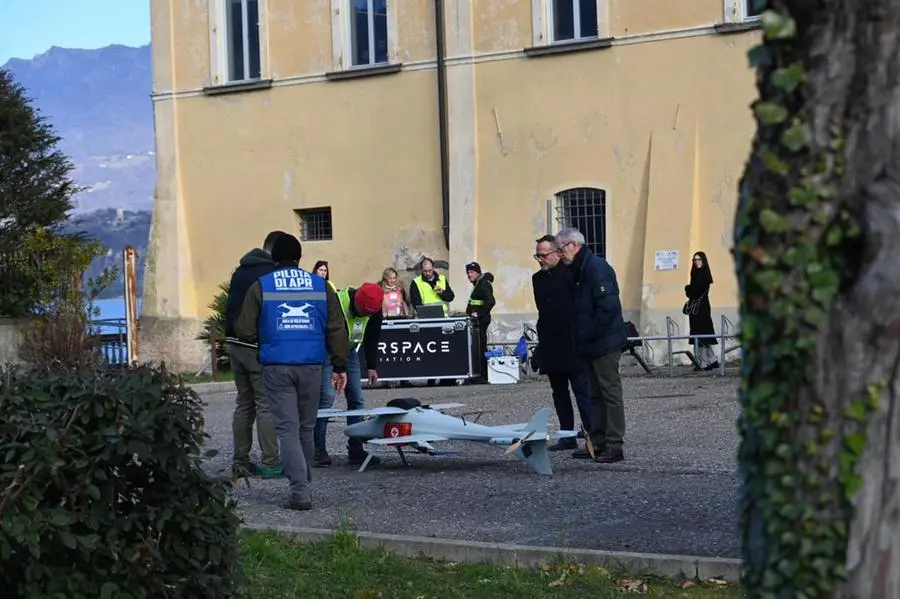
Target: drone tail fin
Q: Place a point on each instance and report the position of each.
(533, 449)
(535, 454)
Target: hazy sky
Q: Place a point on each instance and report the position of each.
(31, 27)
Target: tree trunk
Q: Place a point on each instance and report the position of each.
(817, 237)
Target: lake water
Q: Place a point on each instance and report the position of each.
(113, 308)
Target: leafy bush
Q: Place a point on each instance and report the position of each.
(216, 322)
(102, 491)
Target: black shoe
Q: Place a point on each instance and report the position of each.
(243, 470)
(321, 459)
(564, 444)
(298, 505)
(610, 455)
(712, 366)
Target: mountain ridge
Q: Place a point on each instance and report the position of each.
(99, 103)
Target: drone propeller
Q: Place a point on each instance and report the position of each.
(587, 442)
(512, 448)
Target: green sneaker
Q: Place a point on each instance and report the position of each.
(273, 472)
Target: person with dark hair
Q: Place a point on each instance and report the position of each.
(699, 312)
(556, 355)
(361, 309)
(251, 402)
(481, 302)
(321, 268)
(297, 321)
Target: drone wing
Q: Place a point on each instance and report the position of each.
(421, 440)
(445, 406)
(407, 439)
(331, 413)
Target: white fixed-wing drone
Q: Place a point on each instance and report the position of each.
(406, 421)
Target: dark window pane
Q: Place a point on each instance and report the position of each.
(753, 8)
(359, 34)
(588, 14)
(381, 33)
(235, 41)
(563, 20)
(253, 37)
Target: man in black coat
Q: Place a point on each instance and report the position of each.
(600, 338)
(251, 392)
(556, 354)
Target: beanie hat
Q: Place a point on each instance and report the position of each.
(368, 299)
(286, 249)
(473, 266)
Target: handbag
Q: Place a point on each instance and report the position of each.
(691, 307)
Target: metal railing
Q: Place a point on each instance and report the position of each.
(112, 340)
(728, 332)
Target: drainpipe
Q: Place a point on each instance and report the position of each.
(442, 116)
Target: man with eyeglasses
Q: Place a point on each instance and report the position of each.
(600, 338)
(556, 355)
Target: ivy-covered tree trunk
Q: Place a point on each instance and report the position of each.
(817, 253)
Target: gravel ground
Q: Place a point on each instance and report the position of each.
(676, 492)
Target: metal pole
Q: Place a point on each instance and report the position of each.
(722, 348)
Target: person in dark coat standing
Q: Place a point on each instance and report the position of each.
(481, 302)
(600, 338)
(251, 404)
(699, 312)
(556, 356)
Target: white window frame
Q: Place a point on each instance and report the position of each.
(736, 12)
(342, 38)
(219, 42)
(542, 18)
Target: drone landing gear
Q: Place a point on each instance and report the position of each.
(402, 456)
(369, 457)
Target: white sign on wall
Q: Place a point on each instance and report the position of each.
(666, 260)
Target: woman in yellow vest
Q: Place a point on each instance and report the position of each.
(321, 269)
(430, 288)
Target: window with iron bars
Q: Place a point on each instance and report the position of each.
(315, 224)
(585, 209)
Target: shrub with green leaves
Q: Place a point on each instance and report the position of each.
(102, 490)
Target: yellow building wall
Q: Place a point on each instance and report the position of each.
(660, 121)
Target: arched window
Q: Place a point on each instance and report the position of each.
(585, 209)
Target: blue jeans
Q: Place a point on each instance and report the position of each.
(353, 393)
(562, 401)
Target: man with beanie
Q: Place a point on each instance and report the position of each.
(251, 401)
(296, 318)
(481, 302)
(361, 309)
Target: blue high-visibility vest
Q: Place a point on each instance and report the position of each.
(293, 317)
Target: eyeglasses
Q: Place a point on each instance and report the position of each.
(544, 256)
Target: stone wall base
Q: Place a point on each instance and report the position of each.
(173, 341)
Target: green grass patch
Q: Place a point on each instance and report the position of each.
(193, 379)
(280, 566)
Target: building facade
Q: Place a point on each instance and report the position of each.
(462, 130)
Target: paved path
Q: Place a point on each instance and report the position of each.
(675, 493)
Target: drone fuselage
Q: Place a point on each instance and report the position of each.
(431, 422)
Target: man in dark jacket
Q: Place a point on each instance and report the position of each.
(481, 302)
(600, 337)
(556, 355)
(251, 393)
(361, 309)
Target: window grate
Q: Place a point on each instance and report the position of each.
(315, 224)
(584, 208)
